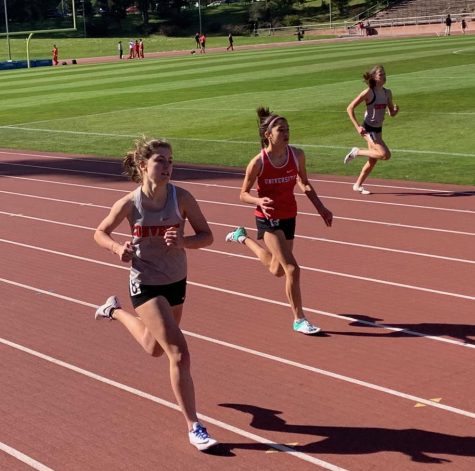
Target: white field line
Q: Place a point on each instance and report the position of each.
(236, 188)
(218, 172)
(277, 359)
(32, 463)
(303, 267)
(252, 229)
(244, 295)
(144, 395)
(221, 141)
(236, 205)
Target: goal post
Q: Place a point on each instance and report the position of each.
(30, 34)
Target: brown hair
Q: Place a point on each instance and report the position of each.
(144, 149)
(368, 77)
(266, 120)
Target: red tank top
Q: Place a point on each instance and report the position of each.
(278, 184)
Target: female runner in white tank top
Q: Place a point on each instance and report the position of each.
(156, 212)
(377, 99)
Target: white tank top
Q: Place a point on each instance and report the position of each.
(154, 263)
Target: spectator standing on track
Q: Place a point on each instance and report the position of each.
(120, 49)
(197, 40)
(230, 42)
(141, 49)
(448, 25)
(131, 49)
(55, 53)
(203, 44)
(157, 211)
(463, 25)
(277, 168)
(137, 49)
(377, 100)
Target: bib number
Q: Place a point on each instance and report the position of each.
(134, 288)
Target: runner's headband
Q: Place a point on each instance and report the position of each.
(272, 122)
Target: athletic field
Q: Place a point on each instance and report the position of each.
(205, 105)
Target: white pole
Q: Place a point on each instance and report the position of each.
(330, 14)
(6, 30)
(199, 13)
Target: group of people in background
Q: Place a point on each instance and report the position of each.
(448, 25)
(136, 49)
(200, 40)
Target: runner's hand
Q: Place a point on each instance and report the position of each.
(266, 205)
(126, 252)
(174, 237)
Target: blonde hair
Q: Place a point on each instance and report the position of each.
(368, 77)
(144, 149)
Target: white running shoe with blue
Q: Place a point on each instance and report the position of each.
(305, 327)
(239, 235)
(200, 438)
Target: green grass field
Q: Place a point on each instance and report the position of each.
(205, 105)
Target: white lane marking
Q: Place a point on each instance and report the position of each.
(274, 358)
(237, 205)
(229, 187)
(223, 141)
(170, 405)
(32, 463)
(303, 267)
(247, 296)
(356, 277)
(228, 172)
(252, 229)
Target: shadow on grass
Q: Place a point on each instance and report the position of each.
(414, 443)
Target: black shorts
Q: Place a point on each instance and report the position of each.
(371, 129)
(287, 226)
(174, 293)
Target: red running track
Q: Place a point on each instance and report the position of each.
(389, 385)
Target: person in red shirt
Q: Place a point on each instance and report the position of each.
(137, 49)
(55, 55)
(277, 168)
(141, 54)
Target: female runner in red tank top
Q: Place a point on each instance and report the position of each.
(277, 168)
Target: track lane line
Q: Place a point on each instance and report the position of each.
(229, 187)
(303, 267)
(247, 207)
(222, 172)
(312, 369)
(150, 397)
(32, 463)
(249, 296)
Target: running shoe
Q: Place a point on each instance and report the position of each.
(304, 327)
(105, 311)
(351, 155)
(361, 189)
(200, 438)
(238, 235)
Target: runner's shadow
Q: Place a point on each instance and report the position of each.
(105, 169)
(437, 194)
(413, 443)
(463, 332)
